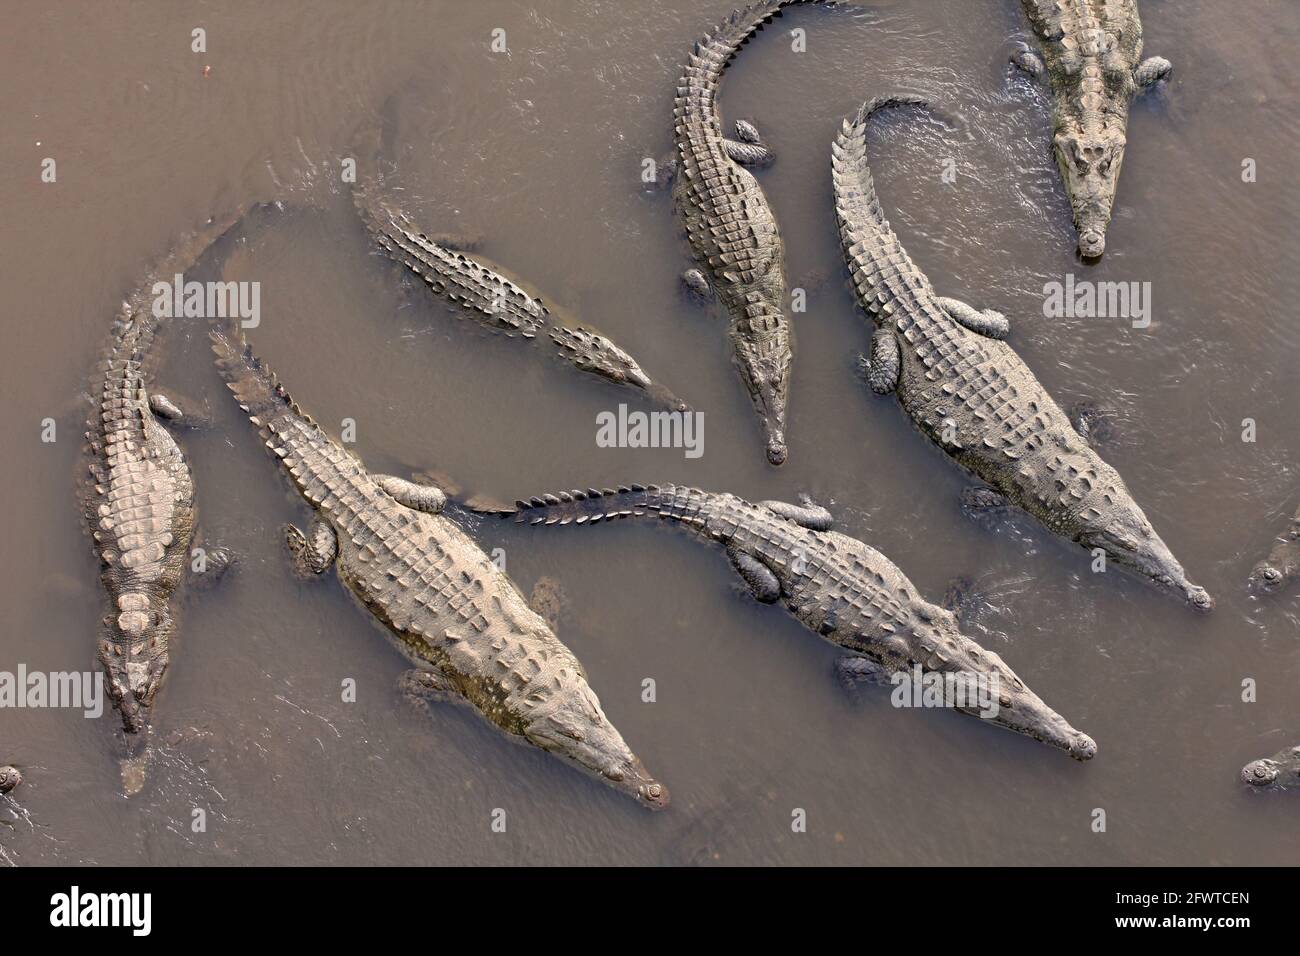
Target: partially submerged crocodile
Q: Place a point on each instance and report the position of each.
(973, 396)
(10, 778)
(449, 609)
(137, 497)
(485, 293)
(1283, 562)
(836, 586)
(1092, 58)
(1281, 771)
(730, 225)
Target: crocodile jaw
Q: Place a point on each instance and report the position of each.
(1131, 542)
(579, 732)
(767, 378)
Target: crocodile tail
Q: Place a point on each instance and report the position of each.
(714, 51)
(627, 501)
(855, 191)
(255, 386)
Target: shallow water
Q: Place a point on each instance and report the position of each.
(539, 151)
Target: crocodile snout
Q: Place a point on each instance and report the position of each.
(1092, 243)
(1083, 747)
(1200, 599)
(1259, 773)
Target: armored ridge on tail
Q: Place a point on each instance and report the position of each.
(730, 225)
(450, 610)
(137, 496)
(1093, 53)
(973, 396)
(837, 587)
(487, 295)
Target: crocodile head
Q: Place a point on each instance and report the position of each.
(134, 659)
(1128, 539)
(765, 369)
(993, 691)
(578, 731)
(1281, 770)
(1090, 160)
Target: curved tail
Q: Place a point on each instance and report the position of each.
(713, 51)
(674, 502)
(855, 191)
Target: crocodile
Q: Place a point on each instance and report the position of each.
(458, 618)
(838, 587)
(486, 293)
(136, 494)
(1092, 60)
(971, 394)
(10, 778)
(1280, 771)
(1282, 565)
(729, 224)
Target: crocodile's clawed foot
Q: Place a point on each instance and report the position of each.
(959, 596)
(423, 688)
(169, 412)
(665, 172)
(1092, 423)
(987, 322)
(763, 584)
(1028, 62)
(855, 672)
(984, 504)
(696, 283)
(314, 551)
(1150, 71)
(214, 566)
(808, 515)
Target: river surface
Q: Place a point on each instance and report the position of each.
(539, 150)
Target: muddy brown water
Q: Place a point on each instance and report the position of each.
(539, 150)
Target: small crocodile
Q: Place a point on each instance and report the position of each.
(972, 395)
(1093, 62)
(137, 496)
(1280, 771)
(1283, 562)
(448, 608)
(732, 231)
(484, 292)
(836, 586)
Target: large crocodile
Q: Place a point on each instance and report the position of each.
(486, 293)
(1092, 59)
(730, 226)
(973, 396)
(1282, 565)
(837, 587)
(1281, 771)
(137, 496)
(449, 609)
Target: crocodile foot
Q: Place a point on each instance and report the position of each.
(168, 411)
(314, 551)
(217, 562)
(854, 672)
(696, 283)
(1092, 423)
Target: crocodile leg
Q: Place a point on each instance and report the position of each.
(696, 282)
(748, 154)
(425, 687)
(169, 412)
(883, 367)
(1150, 71)
(807, 515)
(1029, 62)
(314, 551)
(853, 670)
(989, 323)
(216, 562)
(978, 499)
(759, 577)
(427, 498)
